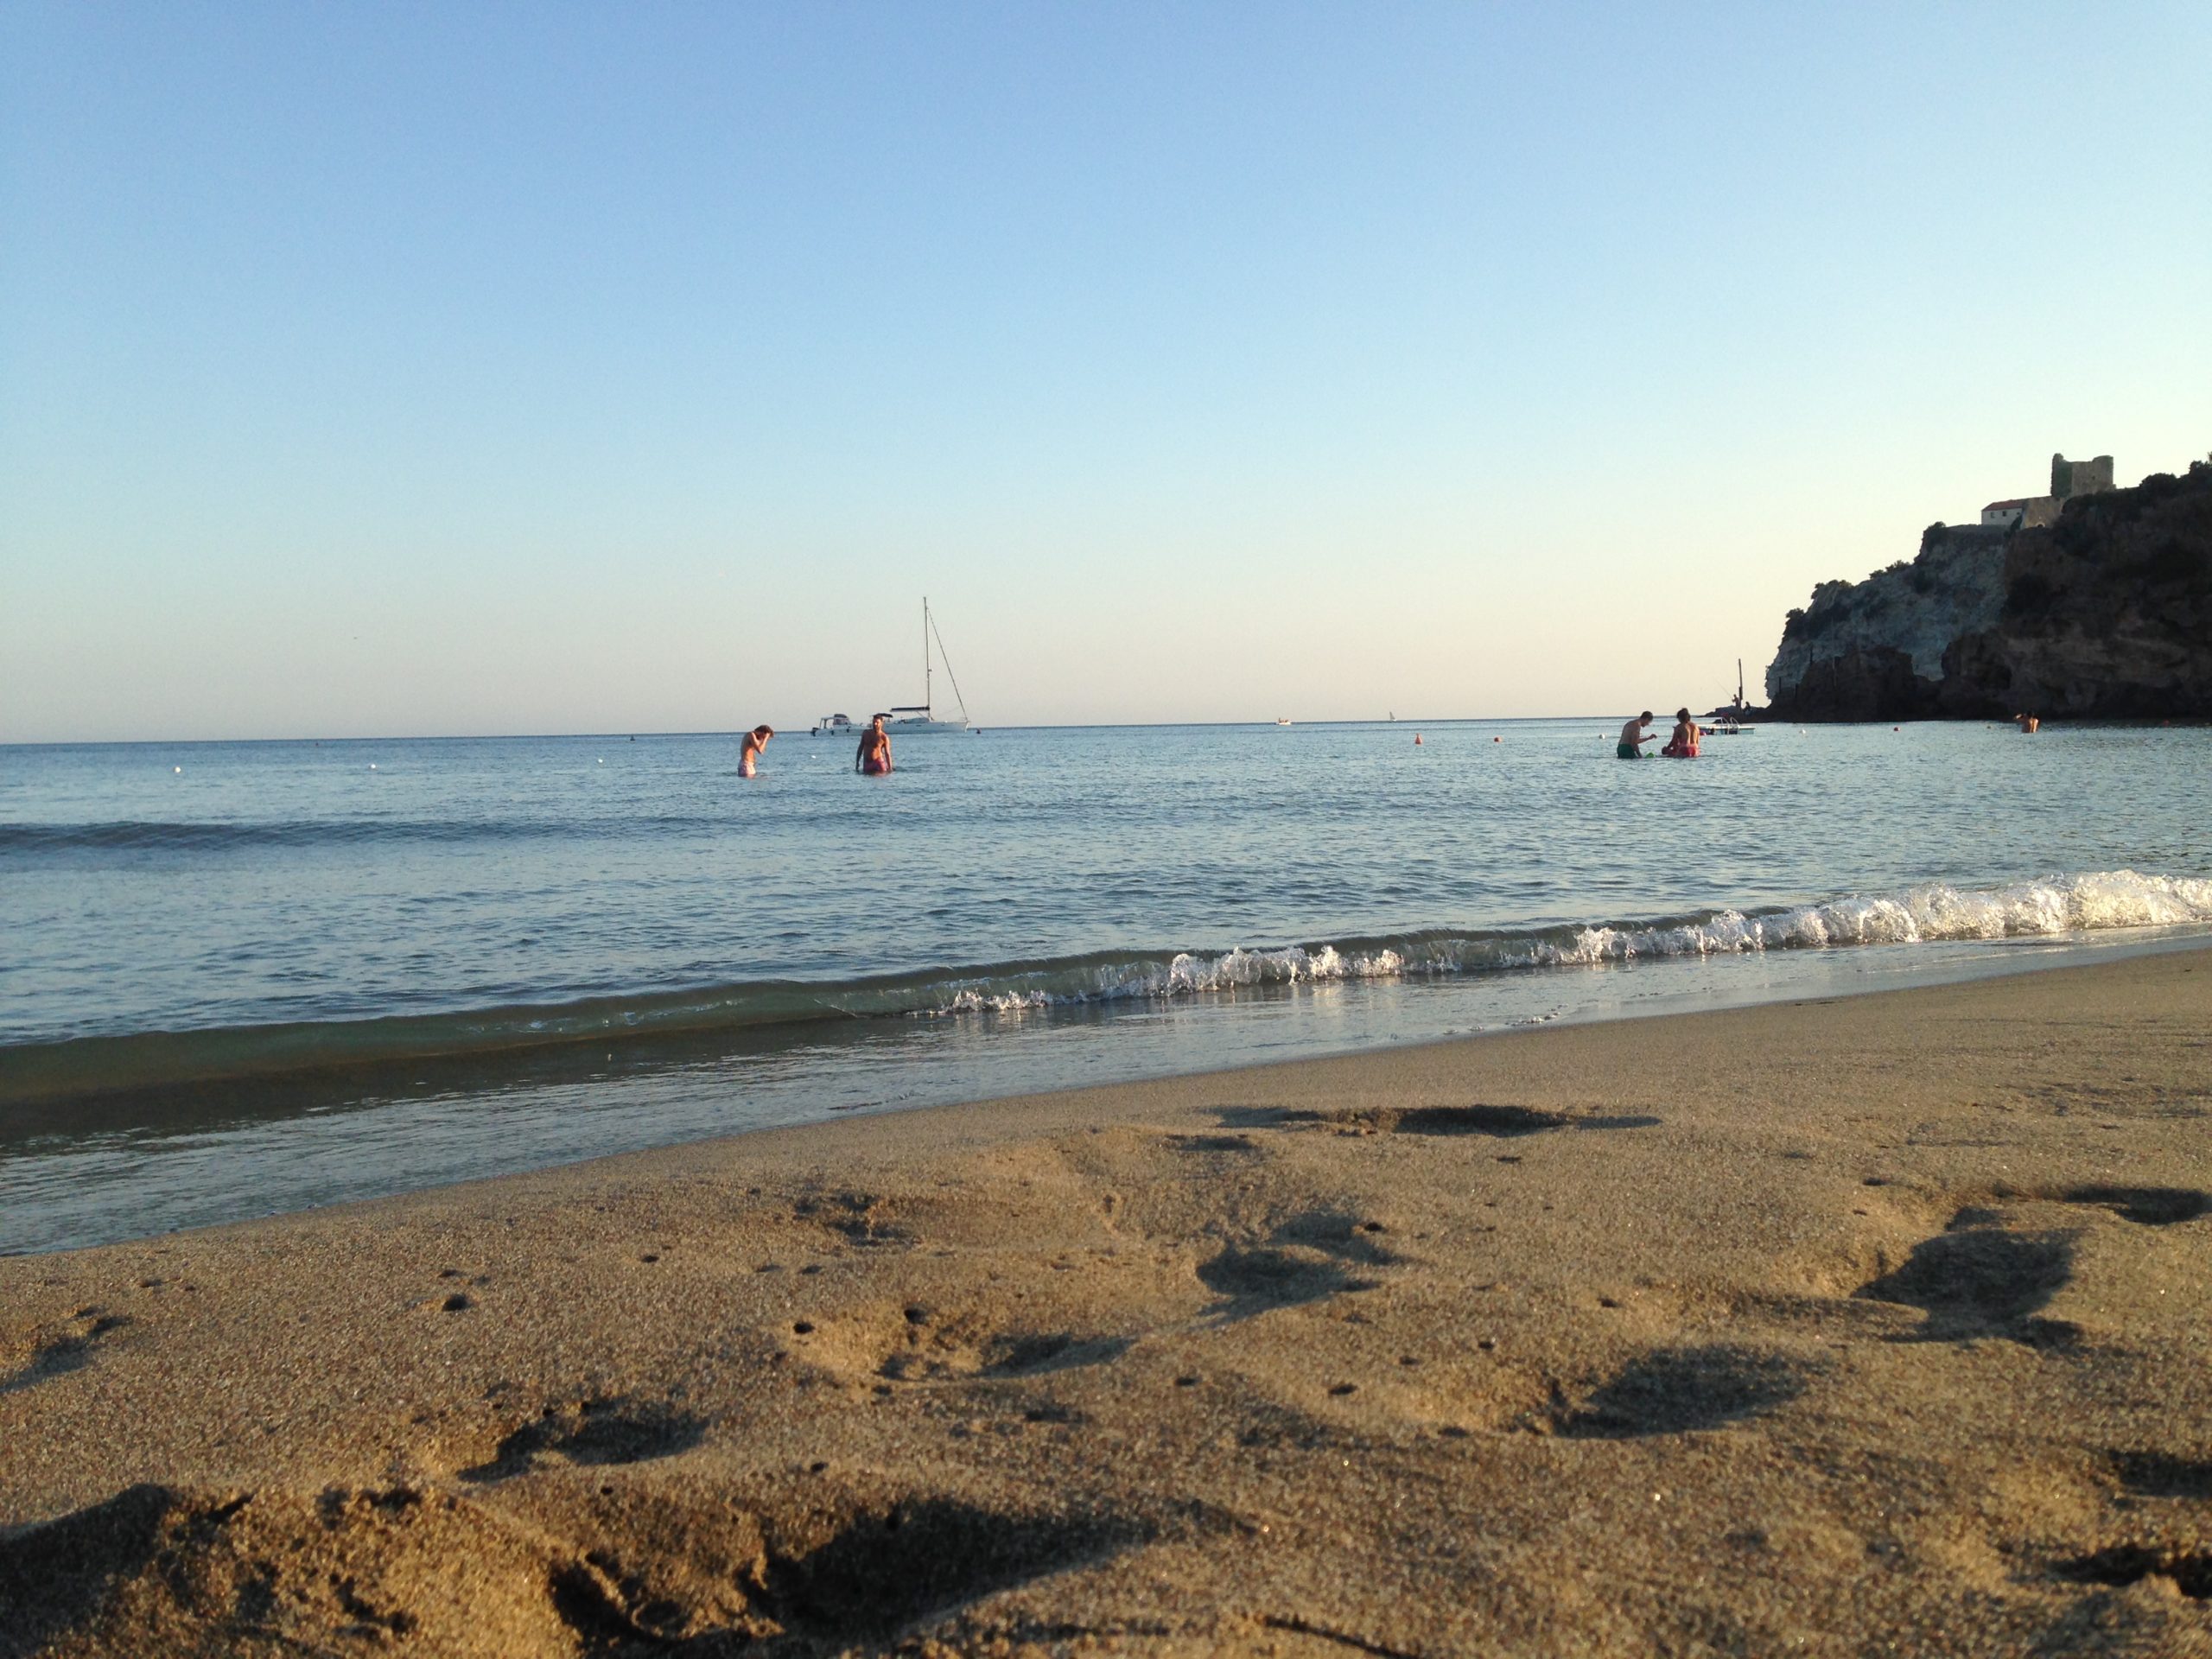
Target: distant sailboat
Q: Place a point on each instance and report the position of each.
(919, 717)
(1729, 717)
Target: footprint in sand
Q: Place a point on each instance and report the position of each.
(1271, 1426)
(1496, 1121)
(2189, 1571)
(855, 1578)
(816, 1575)
(612, 1430)
(1981, 1279)
(165, 1570)
(66, 1345)
(2160, 1474)
(155, 1569)
(949, 1356)
(2147, 1206)
(1673, 1390)
(1252, 1279)
(917, 1344)
(1204, 1143)
(1307, 1257)
(857, 1218)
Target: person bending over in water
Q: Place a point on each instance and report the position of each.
(1632, 736)
(749, 751)
(873, 758)
(1682, 746)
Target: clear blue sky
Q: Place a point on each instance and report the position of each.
(382, 369)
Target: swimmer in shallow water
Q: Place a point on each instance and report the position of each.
(1682, 746)
(873, 758)
(748, 752)
(1633, 736)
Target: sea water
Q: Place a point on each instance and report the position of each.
(242, 978)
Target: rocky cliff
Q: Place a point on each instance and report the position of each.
(2106, 613)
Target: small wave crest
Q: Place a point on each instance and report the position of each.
(1932, 913)
(2069, 903)
(2058, 905)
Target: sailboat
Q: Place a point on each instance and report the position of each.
(1729, 717)
(920, 717)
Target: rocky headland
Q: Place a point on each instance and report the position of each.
(2104, 614)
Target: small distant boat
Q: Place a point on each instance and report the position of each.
(1283, 720)
(908, 719)
(914, 718)
(1728, 718)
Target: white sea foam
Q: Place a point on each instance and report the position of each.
(1188, 975)
(2056, 905)
(2064, 903)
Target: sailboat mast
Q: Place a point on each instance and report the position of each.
(927, 713)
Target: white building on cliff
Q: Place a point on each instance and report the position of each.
(2067, 478)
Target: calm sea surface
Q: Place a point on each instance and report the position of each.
(239, 978)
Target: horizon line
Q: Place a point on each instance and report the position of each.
(739, 731)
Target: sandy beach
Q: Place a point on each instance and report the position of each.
(1877, 1324)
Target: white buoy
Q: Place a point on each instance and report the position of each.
(177, 769)
(372, 766)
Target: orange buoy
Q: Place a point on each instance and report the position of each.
(1497, 740)
(1416, 740)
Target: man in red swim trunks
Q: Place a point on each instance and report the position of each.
(873, 758)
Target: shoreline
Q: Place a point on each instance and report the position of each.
(1814, 1325)
(81, 1169)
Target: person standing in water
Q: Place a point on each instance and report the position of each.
(1682, 746)
(1633, 736)
(748, 752)
(873, 758)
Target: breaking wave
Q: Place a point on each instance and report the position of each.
(2059, 905)
(1935, 912)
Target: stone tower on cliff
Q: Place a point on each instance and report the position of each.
(2071, 477)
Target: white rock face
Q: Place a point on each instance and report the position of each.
(1956, 587)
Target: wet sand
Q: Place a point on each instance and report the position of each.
(1880, 1324)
